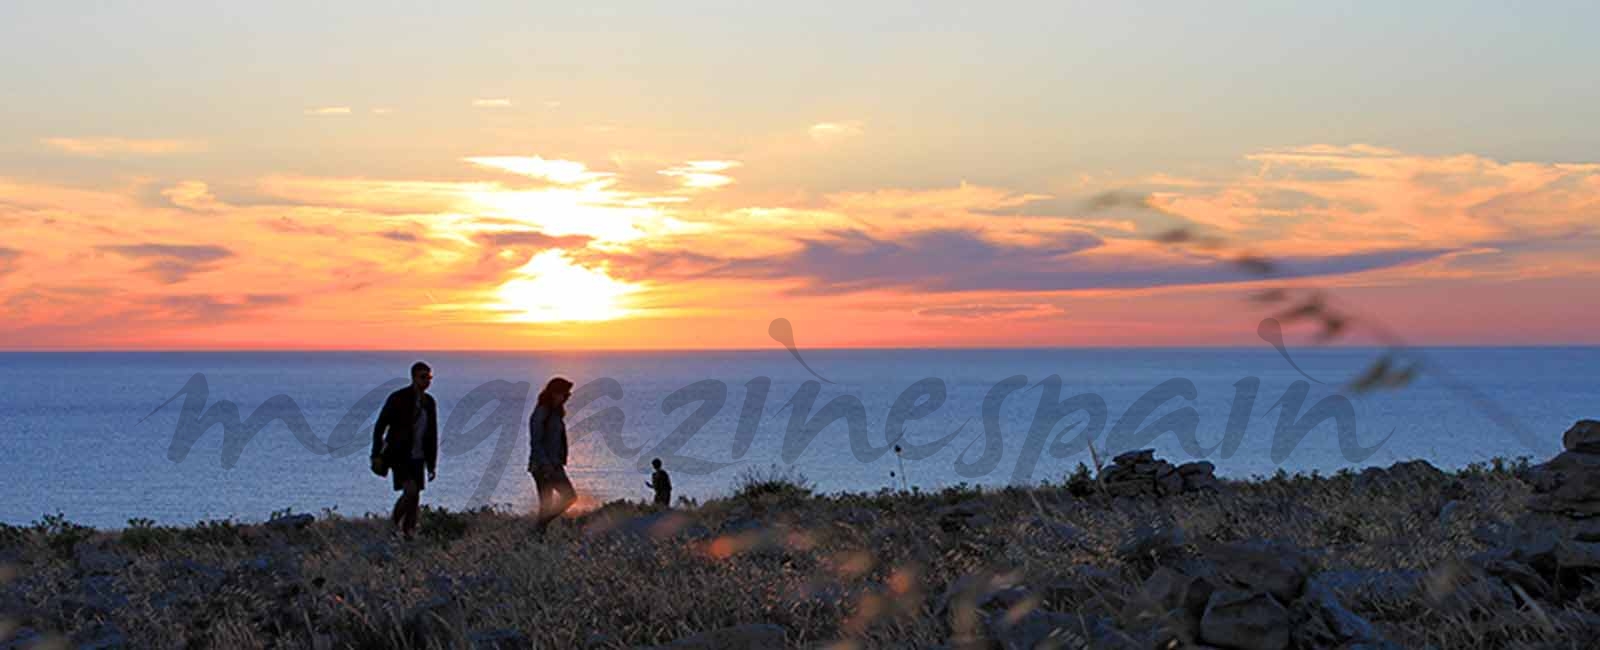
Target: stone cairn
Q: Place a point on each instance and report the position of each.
(1139, 473)
(1554, 550)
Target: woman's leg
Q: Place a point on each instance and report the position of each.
(568, 496)
(546, 493)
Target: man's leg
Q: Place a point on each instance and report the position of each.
(397, 515)
(412, 497)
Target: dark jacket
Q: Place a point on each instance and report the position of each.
(399, 417)
(547, 438)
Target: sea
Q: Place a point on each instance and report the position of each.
(103, 438)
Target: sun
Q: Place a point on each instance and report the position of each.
(550, 288)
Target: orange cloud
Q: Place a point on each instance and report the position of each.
(702, 174)
(555, 253)
(832, 132)
(108, 147)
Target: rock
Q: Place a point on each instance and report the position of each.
(1165, 587)
(1456, 587)
(756, 636)
(1584, 436)
(1451, 513)
(92, 559)
(1535, 547)
(1387, 587)
(1199, 476)
(1408, 473)
(436, 622)
(1169, 481)
(1568, 484)
(1201, 483)
(1139, 474)
(502, 639)
(1586, 530)
(1518, 574)
(291, 522)
(967, 515)
(1245, 620)
(1578, 557)
(1129, 488)
(1135, 457)
(1080, 585)
(1150, 543)
(1277, 568)
(1344, 624)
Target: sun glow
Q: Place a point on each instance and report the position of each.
(550, 288)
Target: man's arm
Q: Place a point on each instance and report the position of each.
(431, 452)
(384, 417)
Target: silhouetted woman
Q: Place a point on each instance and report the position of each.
(547, 455)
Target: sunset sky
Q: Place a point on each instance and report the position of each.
(530, 175)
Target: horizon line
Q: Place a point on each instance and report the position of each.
(779, 348)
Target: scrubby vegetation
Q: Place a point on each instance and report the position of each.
(1064, 564)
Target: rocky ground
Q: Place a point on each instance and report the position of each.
(1149, 555)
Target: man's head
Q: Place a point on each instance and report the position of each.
(656, 463)
(421, 375)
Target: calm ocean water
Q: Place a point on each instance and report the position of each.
(72, 440)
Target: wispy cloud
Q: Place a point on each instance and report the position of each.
(8, 259)
(702, 174)
(382, 111)
(504, 251)
(329, 110)
(829, 132)
(953, 261)
(106, 147)
(210, 308)
(171, 263)
(562, 172)
(194, 196)
(491, 102)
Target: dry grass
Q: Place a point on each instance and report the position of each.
(862, 570)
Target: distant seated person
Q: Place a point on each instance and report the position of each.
(661, 482)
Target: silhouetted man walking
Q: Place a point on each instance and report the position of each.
(406, 440)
